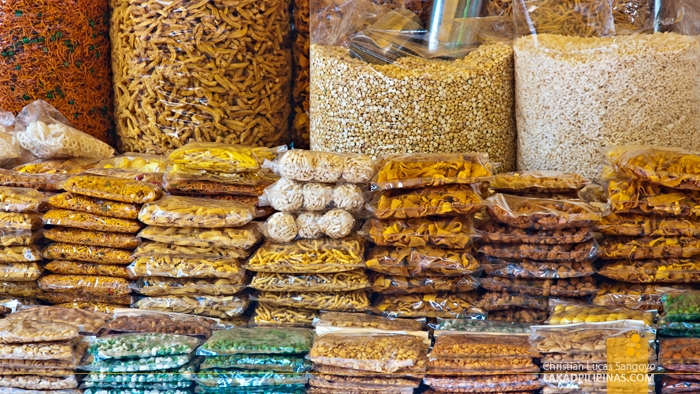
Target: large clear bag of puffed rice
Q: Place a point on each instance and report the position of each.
(590, 75)
(406, 89)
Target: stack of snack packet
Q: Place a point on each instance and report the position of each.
(20, 229)
(680, 360)
(141, 362)
(131, 165)
(93, 227)
(423, 228)
(652, 234)
(312, 260)
(178, 284)
(255, 360)
(538, 243)
(39, 356)
(589, 351)
(220, 171)
(330, 378)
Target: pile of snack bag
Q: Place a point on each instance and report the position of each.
(679, 352)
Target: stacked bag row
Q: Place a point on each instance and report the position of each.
(679, 351)
(312, 259)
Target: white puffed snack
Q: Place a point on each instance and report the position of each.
(348, 197)
(336, 223)
(58, 141)
(285, 195)
(328, 167)
(307, 223)
(358, 168)
(281, 227)
(297, 164)
(317, 196)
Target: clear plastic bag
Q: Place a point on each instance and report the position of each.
(499, 301)
(541, 213)
(136, 162)
(482, 365)
(88, 253)
(160, 249)
(415, 371)
(679, 351)
(342, 319)
(47, 134)
(537, 269)
(537, 181)
(522, 315)
(19, 289)
(447, 200)
(671, 167)
(113, 188)
(428, 305)
(124, 390)
(214, 306)
(89, 221)
(142, 345)
(258, 362)
(629, 295)
(564, 253)
(41, 381)
(257, 341)
(283, 227)
(339, 382)
(309, 256)
(7, 390)
(485, 383)
(649, 248)
(91, 237)
(572, 313)
(178, 211)
(23, 237)
(422, 261)
(481, 346)
(182, 374)
(387, 284)
(85, 284)
(135, 364)
(679, 384)
(586, 338)
(237, 238)
(244, 184)
(415, 170)
(59, 351)
(142, 321)
(67, 267)
(376, 353)
(90, 322)
(275, 389)
(652, 271)
(245, 378)
(30, 331)
(159, 286)
(19, 272)
(287, 195)
(451, 233)
(636, 197)
(155, 178)
(174, 385)
(340, 281)
(61, 166)
(338, 301)
(20, 199)
(96, 206)
(494, 232)
(648, 226)
(70, 298)
(176, 267)
(680, 305)
(20, 221)
(574, 287)
(267, 315)
(325, 167)
(218, 157)
(483, 326)
(100, 307)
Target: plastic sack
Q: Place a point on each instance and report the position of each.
(218, 157)
(485, 383)
(20, 221)
(541, 214)
(92, 205)
(309, 256)
(85, 284)
(176, 267)
(482, 365)
(574, 287)
(177, 211)
(173, 385)
(92, 254)
(67, 267)
(680, 305)
(679, 351)
(483, 326)
(40, 381)
(587, 337)
(258, 362)
(649, 248)
(565, 253)
(364, 382)
(176, 375)
(341, 319)
(635, 197)
(89, 322)
(159, 286)
(629, 295)
(428, 305)
(239, 238)
(537, 181)
(572, 313)
(451, 233)
(214, 306)
(276, 389)
(678, 384)
(325, 167)
(340, 281)
(494, 232)
(244, 184)
(94, 238)
(47, 134)
(43, 182)
(257, 341)
(447, 200)
(30, 331)
(679, 329)
(135, 162)
(113, 188)
(646, 226)
(135, 364)
(537, 269)
(142, 345)
(499, 301)
(652, 271)
(124, 390)
(160, 249)
(357, 301)
(266, 315)
(61, 166)
(100, 307)
(287, 195)
(20, 199)
(10, 150)
(481, 346)
(376, 353)
(422, 261)
(387, 284)
(65, 298)
(285, 227)
(88, 221)
(671, 167)
(408, 171)
(19, 272)
(19, 289)
(244, 378)
(140, 321)
(60, 351)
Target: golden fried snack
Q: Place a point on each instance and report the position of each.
(427, 305)
(645, 226)
(537, 269)
(64, 298)
(95, 238)
(20, 221)
(18, 289)
(495, 232)
(24, 237)
(451, 233)
(574, 287)
(71, 166)
(98, 307)
(671, 167)
(541, 213)
(90, 322)
(240, 238)
(90, 221)
(177, 267)
(218, 157)
(653, 271)
(422, 261)
(160, 249)
(649, 248)
(67, 267)
(537, 181)
(178, 211)
(160, 286)
(112, 188)
(135, 162)
(501, 301)
(338, 301)
(85, 284)
(92, 254)
(572, 313)
(339, 281)
(245, 184)
(387, 284)
(323, 255)
(214, 306)
(267, 315)
(637, 197)
(77, 202)
(16, 254)
(629, 295)
(412, 170)
(438, 201)
(343, 319)
(486, 346)
(43, 182)
(20, 199)
(565, 253)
